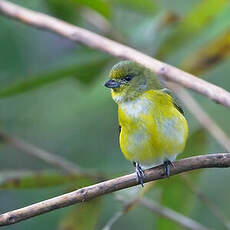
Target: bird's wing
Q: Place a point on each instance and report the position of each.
(176, 101)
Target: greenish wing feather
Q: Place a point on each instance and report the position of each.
(175, 99)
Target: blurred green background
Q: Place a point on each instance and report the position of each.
(52, 96)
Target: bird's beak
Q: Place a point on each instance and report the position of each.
(112, 84)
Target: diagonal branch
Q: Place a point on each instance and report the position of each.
(217, 212)
(220, 160)
(96, 41)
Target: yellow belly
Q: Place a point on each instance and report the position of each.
(151, 129)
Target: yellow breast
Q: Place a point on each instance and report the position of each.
(151, 128)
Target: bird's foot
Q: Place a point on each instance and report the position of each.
(140, 175)
(166, 164)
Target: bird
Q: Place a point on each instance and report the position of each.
(152, 127)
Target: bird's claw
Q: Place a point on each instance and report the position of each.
(140, 175)
(166, 164)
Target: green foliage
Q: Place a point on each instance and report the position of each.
(197, 142)
(100, 6)
(84, 72)
(65, 10)
(52, 95)
(84, 217)
(141, 6)
(68, 10)
(28, 180)
(173, 191)
(195, 21)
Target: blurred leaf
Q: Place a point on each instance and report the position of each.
(194, 22)
(84, 72)
(209, 55)
(143, 6)
(101, 6)
(169, 18)
(142, 32)
(68, 10)
(146, 33)
(36, 82)
(83, 216)
(11, 59)
(27, 180)
(65, 10)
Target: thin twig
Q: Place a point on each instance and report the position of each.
(114, 218)
(30, 149)
(220, 160)
(178, 218)
(209, 203)
(96, 41)
(128, 205)
(170, 214)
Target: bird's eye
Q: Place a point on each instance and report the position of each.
(128, 77)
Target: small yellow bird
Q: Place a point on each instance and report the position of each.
(153, 129)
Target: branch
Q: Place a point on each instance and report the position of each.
(220, 160)
(96, 41)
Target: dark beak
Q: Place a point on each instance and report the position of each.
(112, 84)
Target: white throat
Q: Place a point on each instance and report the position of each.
(136, 107)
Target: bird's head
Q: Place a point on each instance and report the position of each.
(128, 80)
